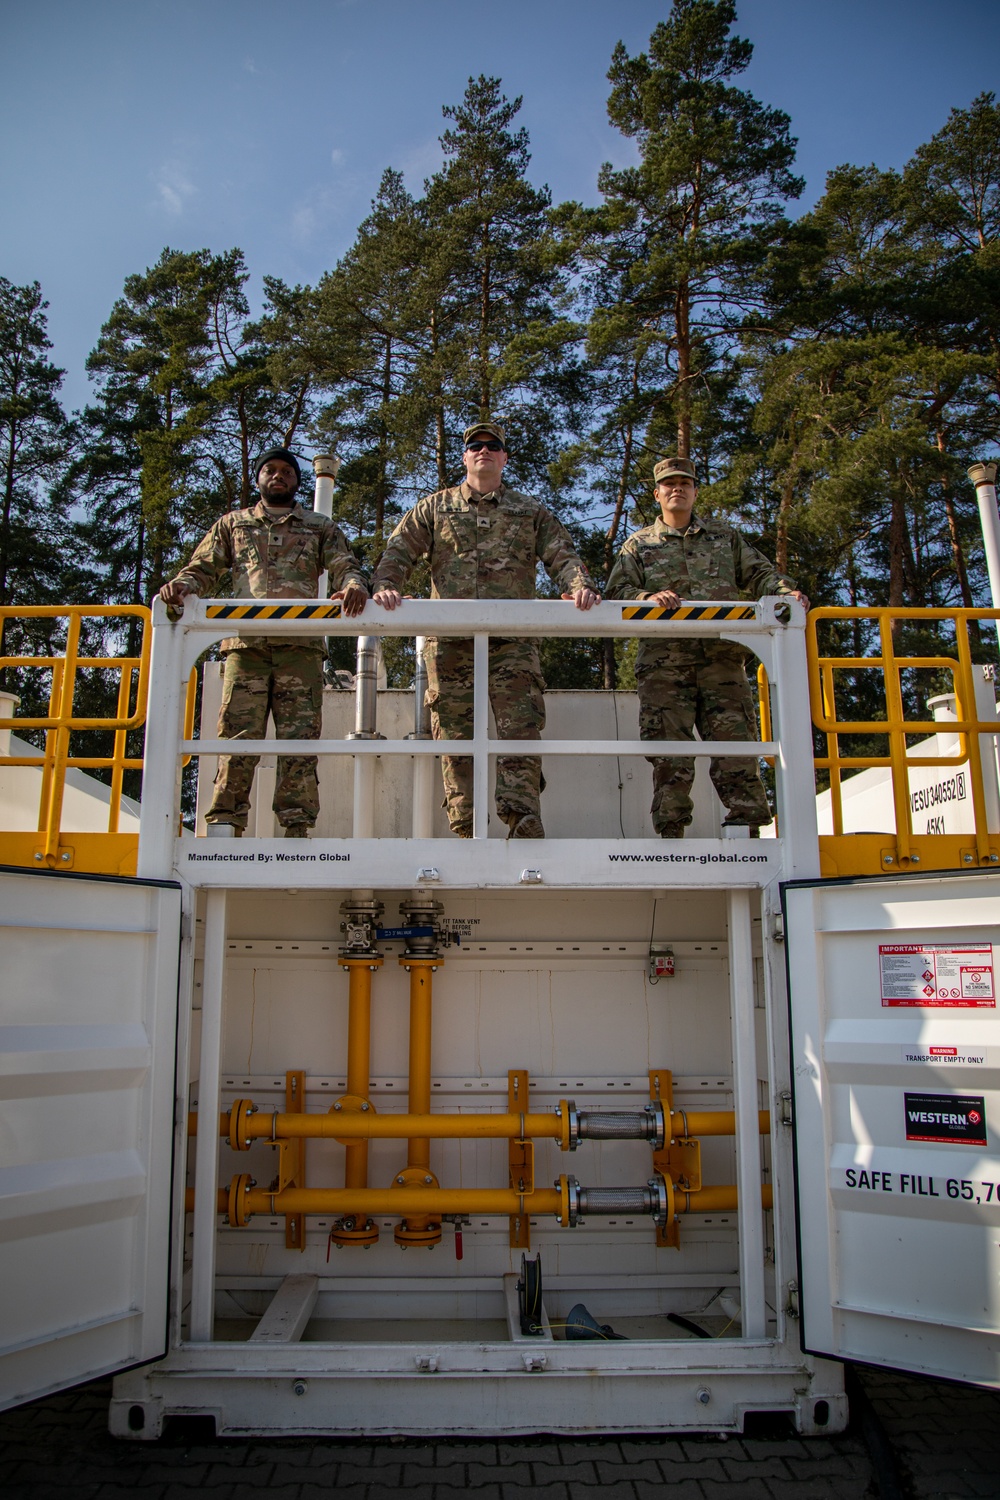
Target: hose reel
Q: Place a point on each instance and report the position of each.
(529, 1296)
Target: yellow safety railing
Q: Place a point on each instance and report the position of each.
(111, 852)
(871, 853)
(841, 853)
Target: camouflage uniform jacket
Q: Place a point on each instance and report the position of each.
(708, 560)
(272, 556)
(481, 547)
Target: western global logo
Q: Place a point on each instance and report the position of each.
(946, 1117)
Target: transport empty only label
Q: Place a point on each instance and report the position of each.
(963, 1057)
(936, 974)
(946, 1117)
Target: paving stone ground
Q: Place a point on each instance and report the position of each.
(943, 1444)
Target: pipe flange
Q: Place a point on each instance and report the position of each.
(657, 1133)
(240, 1113)
(570, 1116)
(570, 1216)
(239, 1200)
(417, 1230)
(354, 1229)
(661, 1200)
(351, 1104)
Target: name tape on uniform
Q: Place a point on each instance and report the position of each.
(688, 612)
(310, 611)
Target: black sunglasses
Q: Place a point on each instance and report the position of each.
(476, 446)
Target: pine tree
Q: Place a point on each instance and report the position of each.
(34, 438)
(364, 336)
(690, 223)
(499, 346)
(185, 400)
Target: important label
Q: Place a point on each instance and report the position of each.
(964, 1057)
(946, 1117)
(936, 975)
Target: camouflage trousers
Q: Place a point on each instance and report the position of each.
(703, 688)
(516, 690)
(287, 683)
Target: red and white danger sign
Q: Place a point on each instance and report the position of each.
(936, 974)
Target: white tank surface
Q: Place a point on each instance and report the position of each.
(480, 1136)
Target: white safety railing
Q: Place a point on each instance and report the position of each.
(773, 629)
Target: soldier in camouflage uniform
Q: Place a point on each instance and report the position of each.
(688, 683)
(277, 550)
(484, 542)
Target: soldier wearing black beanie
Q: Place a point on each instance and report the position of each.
(283, 453)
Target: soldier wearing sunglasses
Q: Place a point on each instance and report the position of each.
(484, 541)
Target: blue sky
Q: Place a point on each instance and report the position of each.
(132, 124)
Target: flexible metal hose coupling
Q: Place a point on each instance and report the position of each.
(653, 1199)
(617, 1125)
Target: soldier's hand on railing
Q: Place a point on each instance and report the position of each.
(388, 598)
(800, 596)
(354, 597)
(666, 597)
(175, 592)
(173, 595)
(584, 598)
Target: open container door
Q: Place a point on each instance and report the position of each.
(88, 1007)
(896, 1067)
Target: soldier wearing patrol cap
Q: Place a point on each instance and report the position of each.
(276, 550)
(684, 684)
(484, 542)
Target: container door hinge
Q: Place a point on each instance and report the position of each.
(785, 1107)
(792, 1305)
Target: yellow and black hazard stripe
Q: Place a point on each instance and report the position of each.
(688, 612)
(310, 611)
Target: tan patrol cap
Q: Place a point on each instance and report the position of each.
(668, 466)
(493, 428)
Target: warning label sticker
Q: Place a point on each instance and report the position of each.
(964, 1057)
(935, 975)
(946, 1117)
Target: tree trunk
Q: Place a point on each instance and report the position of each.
(897, 548)
(957, 551)
(440, 443)
(682, 323)
(382, 487)
(8, 501)
(784, 512)
(296, 417)
(609, 663)
(241, 408)
(611, 535)
(485, 381)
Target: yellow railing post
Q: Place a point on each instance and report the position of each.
(861, 854)
(970, 729)
(60, 724)
(53, 812)
(895, 720)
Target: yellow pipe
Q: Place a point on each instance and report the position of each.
(442, 1127)
(372, 1127)
(709, 1200)
(359, 1030)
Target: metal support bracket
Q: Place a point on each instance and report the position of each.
(520, 1158)
(661, 1090)
(292, 1160)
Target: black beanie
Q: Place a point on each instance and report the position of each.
(284, 453)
